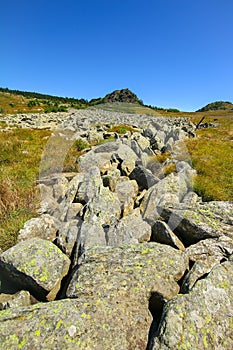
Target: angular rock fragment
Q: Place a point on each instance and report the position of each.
(89, 186)
(127, 192)
(130, 229)
(105, 205)
(203, 318)
(45, 227)
(21, 298)
(169, 190)
(162, 233)
(144, 177)
(194, 223)
(35, 265)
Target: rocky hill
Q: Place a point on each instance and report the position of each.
(123, 255)
(16, 101)
(217, 106)
(124, 95)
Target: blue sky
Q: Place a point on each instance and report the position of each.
(171, 53)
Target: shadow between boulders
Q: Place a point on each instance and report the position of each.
(156, 306)
(14, 284)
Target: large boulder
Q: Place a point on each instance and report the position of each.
(203, 318)
(35, 265)
(196, 222)
(111, 311)
(170, 190)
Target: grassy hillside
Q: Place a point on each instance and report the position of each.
(14, 101)
(212, 156)
(218, 105)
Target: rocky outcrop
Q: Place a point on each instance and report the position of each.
(124, 95)
(138, 259)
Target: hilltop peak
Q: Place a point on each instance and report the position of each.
(123, 95)
(218, 105)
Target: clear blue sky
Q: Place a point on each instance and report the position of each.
(171, 53)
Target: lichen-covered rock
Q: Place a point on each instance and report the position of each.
(137, 269)
(105, 205)
(103, 316)
(130, 229)
(89, 186)
(171, 189)
(45, 227)
(195, 223)
(127, 192)
(35, 265)
(219, 248)
(204, 255)
(21, 298)
(83, 324)
(203, 318)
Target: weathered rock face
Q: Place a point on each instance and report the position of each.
(35, 265)
(140, 261)
(203, 318)
(113, 287)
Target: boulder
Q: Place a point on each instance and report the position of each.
(45, 227)
(105, 205)
(21, 298)
(127, 192)
(91, 235)
(73, 211)
(203, 318)
(162, 233)
(67, 236)
(144, 177)
(130, 229)
(170, 190)
(204, 255)
(89, 186)
(194, 223)
(90, 159)
(35, 265)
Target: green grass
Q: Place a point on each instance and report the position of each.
(212, 156)
(122, 129)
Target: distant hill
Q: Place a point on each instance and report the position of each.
(215, 106)
(124, 95)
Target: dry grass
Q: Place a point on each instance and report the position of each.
(20, 157)
(12, 104)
